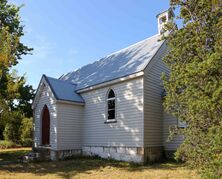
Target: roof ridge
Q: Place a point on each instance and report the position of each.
(57, 79)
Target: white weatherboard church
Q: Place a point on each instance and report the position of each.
(111, 108)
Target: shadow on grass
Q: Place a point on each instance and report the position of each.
(74, 166)
(12, 155)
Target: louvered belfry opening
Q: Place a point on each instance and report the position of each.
(45, 126)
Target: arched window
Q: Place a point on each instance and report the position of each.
(111, 105)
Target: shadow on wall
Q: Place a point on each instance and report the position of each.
(128, 129)
(131, 119)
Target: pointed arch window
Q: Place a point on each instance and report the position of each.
(111, 105)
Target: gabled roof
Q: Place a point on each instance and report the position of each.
(63, 90)
(125, 62)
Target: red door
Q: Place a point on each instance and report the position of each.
(45, 126)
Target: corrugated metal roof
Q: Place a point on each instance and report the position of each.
(64, 90)
(125, 62)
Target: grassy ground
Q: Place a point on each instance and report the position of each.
(86, 168)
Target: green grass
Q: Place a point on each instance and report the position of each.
(87, 168)
(4, 144)
(12, 155)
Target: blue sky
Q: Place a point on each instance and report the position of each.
(67, 34)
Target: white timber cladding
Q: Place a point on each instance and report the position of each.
(153, 103)
(174, 143)
(128, 129)
(70, 118)
(46, 98)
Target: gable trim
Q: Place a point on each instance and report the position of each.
(149, 64)
(45, 77)
(38, 92)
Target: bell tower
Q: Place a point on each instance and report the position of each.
(163, 18)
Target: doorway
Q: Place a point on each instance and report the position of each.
(45, 126)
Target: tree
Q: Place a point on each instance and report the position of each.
(7, 58)
(11, 48)
(4, 112)
(12, 127)
(15, 95)
(194, 87)
(7, 54)
(27, 94)
(9, 17)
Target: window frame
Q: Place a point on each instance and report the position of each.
(113, 120)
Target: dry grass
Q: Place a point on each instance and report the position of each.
(86, 168)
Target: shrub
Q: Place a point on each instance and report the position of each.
(194, 85)
(4, 144)
(26, 132)
(207, 156)
(11, 131)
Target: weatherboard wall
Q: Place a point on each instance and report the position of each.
(128, 129)
(70, 118)
(46, 98)
(157, 123)
(153, 103)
